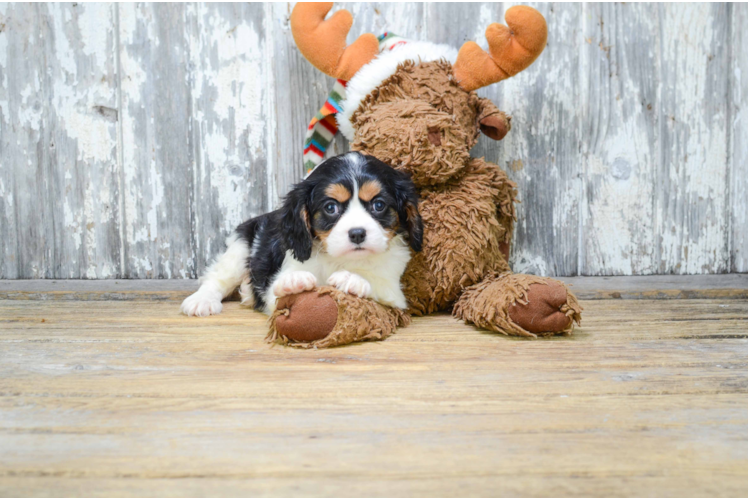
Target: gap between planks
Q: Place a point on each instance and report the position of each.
(711, 286)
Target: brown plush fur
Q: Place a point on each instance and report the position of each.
(463, 232)
(422, 120)
(467, 204)
(354, 320)
(489, 303)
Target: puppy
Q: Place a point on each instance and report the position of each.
(351, 224)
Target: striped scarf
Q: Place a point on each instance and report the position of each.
(323, 127)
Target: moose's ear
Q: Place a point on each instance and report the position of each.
(295, 223)
(511, 49)
(492, 122)
(323, 42)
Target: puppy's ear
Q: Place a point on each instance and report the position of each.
(407, 209)
(295, 223)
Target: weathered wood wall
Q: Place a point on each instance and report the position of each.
(134, 137)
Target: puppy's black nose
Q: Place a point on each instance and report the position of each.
(357, 235)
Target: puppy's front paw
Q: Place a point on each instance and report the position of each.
(202, 303)
(350, 283)
(294, 282)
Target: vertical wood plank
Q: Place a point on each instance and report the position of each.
(229, 120)
(25, 157)
(619, 138)
(692, 181)
(738, 73)
(157, 139)
(541, 153)
(20, 119)
(82, 114)
(299, 90)
(62, 103)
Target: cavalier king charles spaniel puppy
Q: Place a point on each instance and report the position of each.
(351, 224)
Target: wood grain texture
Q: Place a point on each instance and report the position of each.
(693, 170)
(707, 286)
(133, 138)
(158, 152)
(298, 92)
(542, 152)
(58, 179)
(739, 138)
(228, 89)
(619, 138)
(129, 398)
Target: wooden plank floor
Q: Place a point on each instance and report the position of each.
(648, 398)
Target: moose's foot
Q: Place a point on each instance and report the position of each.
(520, 304)
(327, 317)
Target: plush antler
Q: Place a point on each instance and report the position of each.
(323, 42)
(511, 49)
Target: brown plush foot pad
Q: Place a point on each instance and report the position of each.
(310, 316)
(542, 311)
(327, 317)
(519, 304)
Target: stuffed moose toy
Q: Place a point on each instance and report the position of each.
(413, 105)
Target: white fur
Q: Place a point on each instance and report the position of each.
(293, 282)
(223, 276)
(382, 67)
(350, 283)
(381, 271)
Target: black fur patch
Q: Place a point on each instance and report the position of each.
(305, 215)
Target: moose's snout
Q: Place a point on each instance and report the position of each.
(435, 136)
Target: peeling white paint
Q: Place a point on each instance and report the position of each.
(739, 142)
(3, 55)
(235, 111)
(157, 196)
(270, 93)
(486, 18)
(96, 30)
(694, 237)
(6, 195)
(526, 262)
(597, 197)
(31, 109)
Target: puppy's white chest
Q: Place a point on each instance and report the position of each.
(375, 276)
(387, 266)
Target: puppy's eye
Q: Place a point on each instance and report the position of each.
(331, 208)
(378, 205)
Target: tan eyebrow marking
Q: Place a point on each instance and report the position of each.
(338, 192)
(369, 190)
